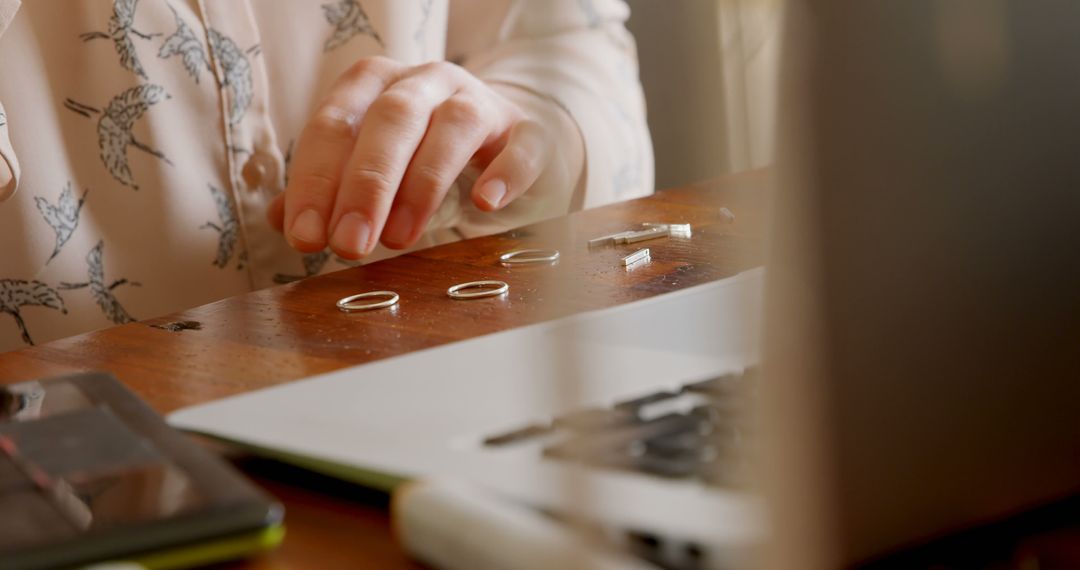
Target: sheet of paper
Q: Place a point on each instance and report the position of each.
(425, 413)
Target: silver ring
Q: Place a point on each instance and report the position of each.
(487, 289)
(349, 305)
(527, 256)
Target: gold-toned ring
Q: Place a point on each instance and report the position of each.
(349, 305)
(486, 289)
(529, 256)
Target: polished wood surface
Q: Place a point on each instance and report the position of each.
(294, 331)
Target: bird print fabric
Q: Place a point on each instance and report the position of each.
(114, 128)
(184, 43)
(235, 74)
(120, 31)
(102, 293)
(228, 227)
(62, 217)
(15, 294)
(349, 20)
(147, 138)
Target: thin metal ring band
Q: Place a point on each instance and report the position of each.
(349, 306)
(528, 256)
(500, 287)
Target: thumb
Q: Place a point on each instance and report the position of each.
(515, 169)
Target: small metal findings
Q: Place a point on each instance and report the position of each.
(636, 257)
(631, 236)
(350, 305)
(644, 235)
(607, 240)
(653, 230)
(680, 231)
(483, 289)
(529, 257)
(674, 230)
(727, 215)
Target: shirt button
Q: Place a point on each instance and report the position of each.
(257, 170)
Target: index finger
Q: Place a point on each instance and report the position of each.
(324, 148)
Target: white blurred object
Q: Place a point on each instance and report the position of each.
(454, 525)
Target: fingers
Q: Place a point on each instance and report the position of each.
(389, 136)
(515, 169)
(324, 148)
(380, 153)
(459, 127)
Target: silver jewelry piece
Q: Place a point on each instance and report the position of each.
(529, 256)
(606, 240)
(349, 304)
(484, 289)
(637, 256)
(634, 237)
(674, 230)
(653, 230)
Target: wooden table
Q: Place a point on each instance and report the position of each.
(285, 333)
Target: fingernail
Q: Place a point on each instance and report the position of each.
(492, 192)
(351, 235)
(309, 228)
(399, 228)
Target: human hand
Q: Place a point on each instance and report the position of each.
(384, 147)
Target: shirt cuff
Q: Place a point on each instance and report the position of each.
(9, 166)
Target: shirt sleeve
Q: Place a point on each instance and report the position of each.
(9, 166)
(574, 58)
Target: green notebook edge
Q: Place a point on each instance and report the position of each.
(377, 480)
(214, 551)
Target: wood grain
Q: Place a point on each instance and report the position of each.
(294, 331)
